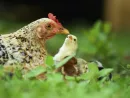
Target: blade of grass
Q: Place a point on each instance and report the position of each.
(35, 72)
(64, 61)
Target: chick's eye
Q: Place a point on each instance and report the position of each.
(61, 28)
(74, 39)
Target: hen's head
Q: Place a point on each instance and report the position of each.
(49, 27)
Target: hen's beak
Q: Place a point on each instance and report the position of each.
(63, 31)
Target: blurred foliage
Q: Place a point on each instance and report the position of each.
(99, 45)
(95, 43)
(86, 85)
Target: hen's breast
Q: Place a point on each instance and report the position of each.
(17, 49)
(10, 50)
(3, 54)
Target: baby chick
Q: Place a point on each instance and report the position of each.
(68, 48)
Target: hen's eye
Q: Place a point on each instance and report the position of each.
(74, 39)
(48, 26)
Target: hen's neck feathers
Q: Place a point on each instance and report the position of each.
(29, 32)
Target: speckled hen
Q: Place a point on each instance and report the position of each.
(26, 46)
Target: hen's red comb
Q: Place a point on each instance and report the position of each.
(51, 16)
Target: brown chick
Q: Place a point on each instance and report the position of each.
(69, 68)
(68, 48)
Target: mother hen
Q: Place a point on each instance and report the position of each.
(26, 47)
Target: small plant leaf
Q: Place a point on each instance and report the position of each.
(105, 72)
(93, 70)
(49, 60)
(64, 61)
(107, 28)
(128, 66)
(55, 77)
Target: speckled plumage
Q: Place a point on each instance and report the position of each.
(22, 47)
(82, 65)
(25, 47)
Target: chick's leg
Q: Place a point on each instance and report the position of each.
(63, 72)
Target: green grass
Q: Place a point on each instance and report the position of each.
(56, 87)
(60, 89)
(94, 43)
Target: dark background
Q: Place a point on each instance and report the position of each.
(65, 10)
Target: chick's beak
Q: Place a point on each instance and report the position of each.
(70, 37)
(63, 31)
